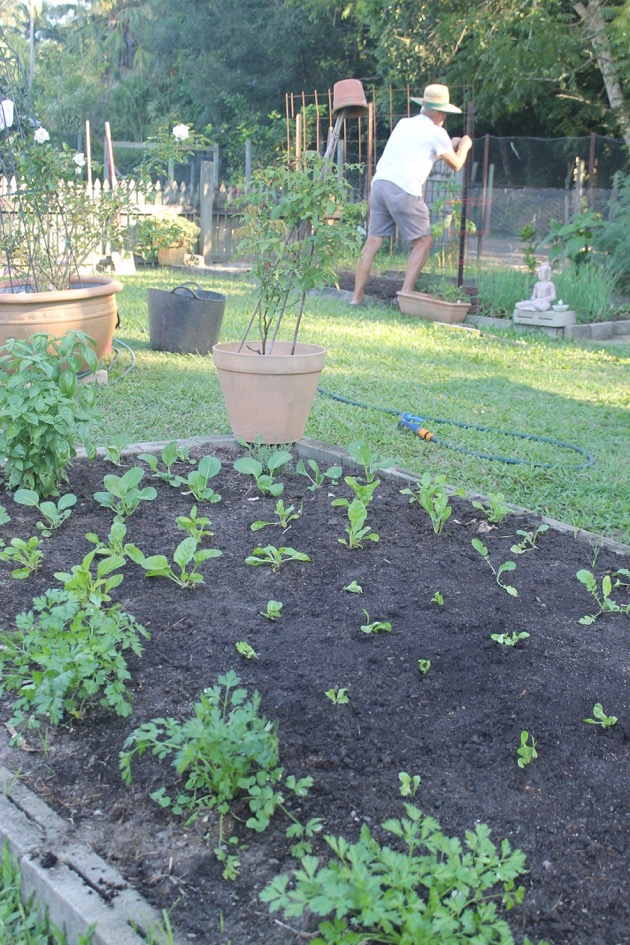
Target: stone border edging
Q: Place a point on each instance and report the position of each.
(593, 331)
(77, 887)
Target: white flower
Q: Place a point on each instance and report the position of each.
(181, 132)
(79, 159)
(41, 135)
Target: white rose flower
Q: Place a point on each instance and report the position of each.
(41, 135)
(79, 159)
(181, 132)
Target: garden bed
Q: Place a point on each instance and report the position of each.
(458, 726)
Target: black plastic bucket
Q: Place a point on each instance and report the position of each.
(186, 320)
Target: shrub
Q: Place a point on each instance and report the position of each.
(45, 411)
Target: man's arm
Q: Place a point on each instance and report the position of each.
(456, 159)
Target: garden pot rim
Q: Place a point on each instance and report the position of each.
(281, 349)
(81, 287)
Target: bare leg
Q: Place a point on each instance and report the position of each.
(364, 264)
(417, 258)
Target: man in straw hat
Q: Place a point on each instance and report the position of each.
(396, 200)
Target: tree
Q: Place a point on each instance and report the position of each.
(534, 66)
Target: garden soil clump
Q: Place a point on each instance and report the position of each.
(458, 726)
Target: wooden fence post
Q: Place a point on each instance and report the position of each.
(206, 199)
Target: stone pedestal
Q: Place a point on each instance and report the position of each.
(556, 324)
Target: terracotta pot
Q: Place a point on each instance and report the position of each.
(269, 395)
(88, 306)
(348, 94)
(433, 310)
(172, 256)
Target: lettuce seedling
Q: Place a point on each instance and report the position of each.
(353, 588)
(123, 495)
(274, 610)
(338, 696)
(54, 513)
(526, 752)
(408, 785)
(25, 554)
(275, 557)
(244, 649)
(509, 639)
(377, 626)
(600, 718)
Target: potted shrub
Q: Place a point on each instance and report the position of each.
(48, 227)
(297, 221)
(447, 303)
(165, 238)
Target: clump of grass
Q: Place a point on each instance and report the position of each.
(586, 289)
(500, 288)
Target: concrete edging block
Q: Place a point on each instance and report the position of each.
(78, 888)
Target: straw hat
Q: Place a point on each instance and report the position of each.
(437, 98)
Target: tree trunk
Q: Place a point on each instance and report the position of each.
(594, 26)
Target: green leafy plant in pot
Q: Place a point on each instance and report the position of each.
(164, 231)
(297, 221)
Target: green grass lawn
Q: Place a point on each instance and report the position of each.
(566, 391)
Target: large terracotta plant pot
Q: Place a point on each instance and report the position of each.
(425, 306)
(172, 255)
(269, 396)
(88, 306)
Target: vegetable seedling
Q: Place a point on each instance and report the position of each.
(196, 526)
(274, 610)
(369, 462)
(171, 454)
(408, 784)
(87, 589)
(496, 511)
(376, 626)
(509, 639)
(529, 539)
(353, 588)
(424, 666)
(115, 544)
(54, 513)
(432, 496)
(526, 752)
(26, 554)
(438, 599)
(113, 452)
(600, 718)
(249, 466)
(123, 495)
(357, 531)
(315, 476)
(338, 696)
(506, 566)
(197, 480)
(275, 557)
(187, 553)
(244, 649)
(605, 602)
(285, 515)
(5, 518)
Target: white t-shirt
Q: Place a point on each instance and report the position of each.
(413, 148)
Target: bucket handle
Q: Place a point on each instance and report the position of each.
(185, 287)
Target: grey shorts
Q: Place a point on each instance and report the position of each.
(392, 207)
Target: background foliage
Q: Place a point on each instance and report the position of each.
(539, 67)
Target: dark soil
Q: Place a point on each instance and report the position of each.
(458, 727)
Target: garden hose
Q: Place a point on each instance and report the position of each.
(417, 425)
